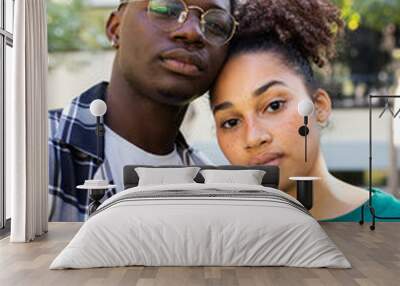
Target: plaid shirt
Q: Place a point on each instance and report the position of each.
(73, 159)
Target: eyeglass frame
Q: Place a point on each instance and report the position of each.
(203, 13)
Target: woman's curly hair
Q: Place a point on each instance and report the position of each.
(311, 26)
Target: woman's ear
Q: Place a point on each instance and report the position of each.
(112, 27)
(323, 106)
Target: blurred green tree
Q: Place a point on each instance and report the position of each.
(73, 26)
(372, 14)
(366, 61)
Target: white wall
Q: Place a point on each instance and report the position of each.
(73, 73)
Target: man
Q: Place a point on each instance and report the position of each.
(168, 52)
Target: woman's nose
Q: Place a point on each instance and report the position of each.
(256, 135)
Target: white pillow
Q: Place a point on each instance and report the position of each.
(247, 177)
(163, 176)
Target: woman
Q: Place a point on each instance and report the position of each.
(256, 96)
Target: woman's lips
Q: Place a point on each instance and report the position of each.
(272, 159)
(180, 67)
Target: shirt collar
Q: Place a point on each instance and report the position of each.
(77, 125)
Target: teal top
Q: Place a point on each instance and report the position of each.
(386, 205)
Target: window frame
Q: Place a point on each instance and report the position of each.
(6, 39)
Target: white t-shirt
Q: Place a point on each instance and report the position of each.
(119, 152)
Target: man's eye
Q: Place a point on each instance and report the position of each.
(216, 28)
(229, 124)
(275, 106)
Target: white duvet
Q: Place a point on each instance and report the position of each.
(205, 230)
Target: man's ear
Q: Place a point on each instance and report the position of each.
(323, 106)
(113, 26)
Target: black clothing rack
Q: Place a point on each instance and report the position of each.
(370, 200)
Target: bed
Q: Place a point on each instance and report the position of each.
(201, 224)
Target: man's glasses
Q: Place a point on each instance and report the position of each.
(217, 25)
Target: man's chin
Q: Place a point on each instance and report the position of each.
(173, 98)
(178, 94)
(185, 86)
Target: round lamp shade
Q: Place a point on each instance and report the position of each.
(305, 107)
(98, 107)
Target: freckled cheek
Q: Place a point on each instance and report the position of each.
(231, 144)
(284, 131)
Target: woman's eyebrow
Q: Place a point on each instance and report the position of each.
(267, 86)
(222, 106)
(257, 92)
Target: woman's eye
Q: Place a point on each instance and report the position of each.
(275, 106)
(229, 124)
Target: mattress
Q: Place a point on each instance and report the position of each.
(201, 225)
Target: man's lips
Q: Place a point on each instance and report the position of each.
(181, 67)
(267, 159)
(182, 62)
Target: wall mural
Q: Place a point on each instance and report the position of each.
(160, 87)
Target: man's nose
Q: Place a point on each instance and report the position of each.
(256, 135)
(190, 31)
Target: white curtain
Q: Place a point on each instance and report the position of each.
(26, 123)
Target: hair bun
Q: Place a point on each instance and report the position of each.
(313, 26)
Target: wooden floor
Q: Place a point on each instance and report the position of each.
(375, 257)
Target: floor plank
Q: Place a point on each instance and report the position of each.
(375, 257)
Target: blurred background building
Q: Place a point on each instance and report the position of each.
(368, 63)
